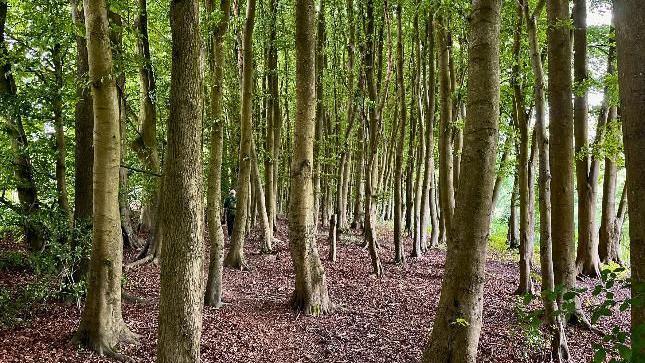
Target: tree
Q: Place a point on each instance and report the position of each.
(561, 156)
(181, 294)
(235, 256)
(630, 47)
(559, 348)
(213, 295)
(399, 255)
(310, 294)
(102, 327)
(457, 325)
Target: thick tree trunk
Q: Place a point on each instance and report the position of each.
(587, 260)
(310, 294)
(102, 327)
(235, 255)
(182, 285)
(399, 254)
(559, 348)
(630, 22)
(457, 325)
(213, 294)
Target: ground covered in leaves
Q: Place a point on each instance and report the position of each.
(375, 320)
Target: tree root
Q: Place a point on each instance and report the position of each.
(141, 261)
(135, 299)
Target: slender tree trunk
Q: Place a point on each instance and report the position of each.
(446, 189)
(420, 151)
(310, 294)
(630, 21)
(262, 209)
(273, 115)
(320, 109)
(399, 255)
(374, 128)
(524, 172)
(146, 144)
(457, 325)
(83, 128)
(513, 237)
(102, 327)
(587, 260)
(559, 348)
(213, 294)
(561, 144)
(59, 127)
(235, 256)
(359, 165)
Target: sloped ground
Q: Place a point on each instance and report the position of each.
(386, 320)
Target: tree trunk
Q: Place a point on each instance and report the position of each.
(310, 294)
(146, 144)
(359, 165)
(273, 116)
(182, 286)
(262, 209)
(559, 348)
(399, 255)
(457, 325)
(320, 109)
(213, 294)
(420, 151)
(102, 327)
(630, 21)
(446, 189)
(561, 144)
(59, 126)
(235, 256)
(587, 260)
(374, 129)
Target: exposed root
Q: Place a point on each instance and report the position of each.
(135, 299)
(141, 261)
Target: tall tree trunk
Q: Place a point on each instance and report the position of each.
(22, 167)
(273, 116)
(559, 348)
(524, 172)
(399, 255)
(83, 128)
(320, 109)
(374, 129)
(146, 144)
(182, 210)
(587, 260)
(561, 144)
(102, 327)
(359, 183)
(59, 126)
(630, 21)
(428, 215)
(446, 189)
(213, 294)
(235, 255)
(513, 236)
(457, 325)
(420, 151)
(310, 294)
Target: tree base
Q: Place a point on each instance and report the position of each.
(104, 344)
(316, 304)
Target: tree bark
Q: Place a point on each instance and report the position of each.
(630, 20)
(59, 127)
(266, 246)
(457, 325)
(320, 109)
(102, 327)
(399, 255)
(561, 144)
(587, 260)
(310, 294)
(559, 347)
(235, 256)
(213, 294)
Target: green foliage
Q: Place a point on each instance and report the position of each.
(530, 321)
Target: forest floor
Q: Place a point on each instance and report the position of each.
(375, 320)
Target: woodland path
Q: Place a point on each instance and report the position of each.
(384, 320)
